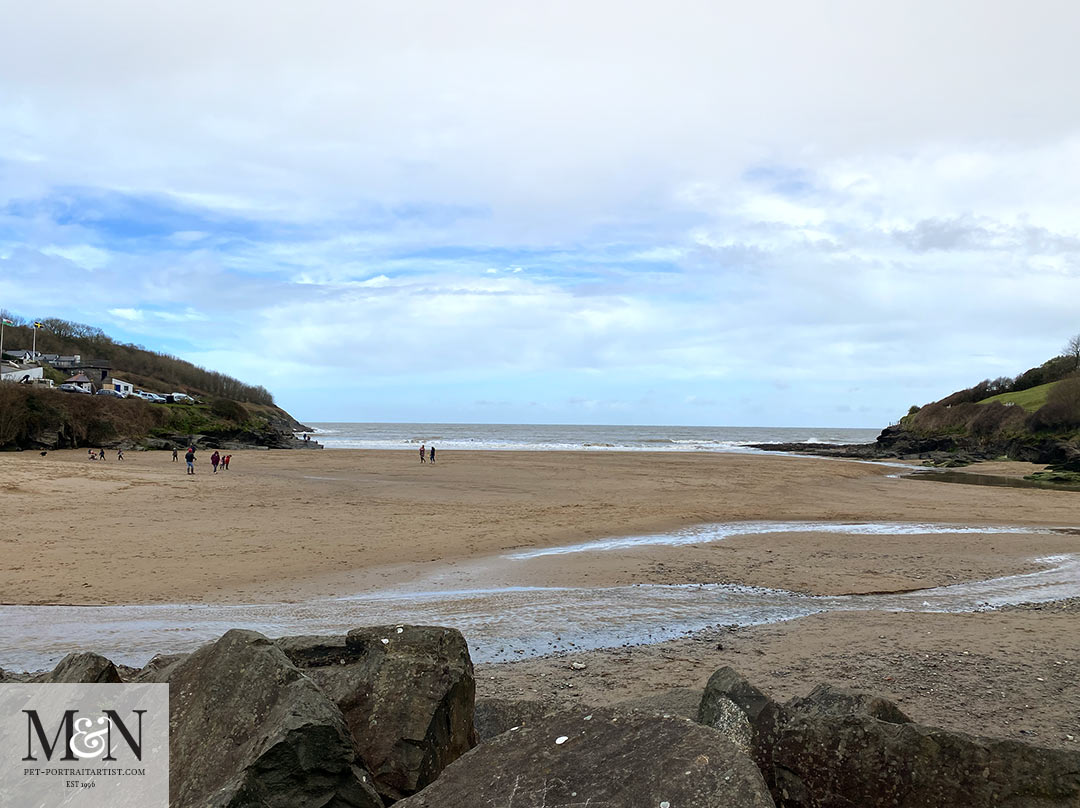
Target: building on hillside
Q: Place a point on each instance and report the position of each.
(97, 370)
(18, 372)
(81, 380)
(66, 361)
(19, 355)
(119, 385)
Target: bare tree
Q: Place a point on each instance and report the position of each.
(1072, 349)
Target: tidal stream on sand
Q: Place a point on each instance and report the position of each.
(504, 618)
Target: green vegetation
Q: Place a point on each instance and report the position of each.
(1030, 399)
(1060, 477)
(144, 368)
(34, 415)
(1039, 403)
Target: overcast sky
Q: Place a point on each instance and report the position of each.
(777, 214)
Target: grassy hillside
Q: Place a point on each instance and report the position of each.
(1039, 403)
(35, 416)
(1031, 399)
(146, 369)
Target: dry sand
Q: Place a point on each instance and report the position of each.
(293, 525)
(286, 525)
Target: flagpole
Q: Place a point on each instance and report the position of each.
(2, 323)
(34, 349)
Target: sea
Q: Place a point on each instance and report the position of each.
(575, 438)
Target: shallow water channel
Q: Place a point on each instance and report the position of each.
(502, 620)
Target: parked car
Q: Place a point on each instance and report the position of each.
(154, 398)
(181, 398)
(110, 393)
(73, 388)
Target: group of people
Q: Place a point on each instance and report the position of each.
(424, 456)
(100, 454)
(216, 459)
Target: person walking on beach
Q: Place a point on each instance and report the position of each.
(225, 462)
(174, 453)
(91, 453)
(215, 458)
(101, 455)
(432, 454)
(119, 454)
(190, 459)
(421, 453)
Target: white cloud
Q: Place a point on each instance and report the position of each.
(817, 193)
(132, 315)
(82, 254)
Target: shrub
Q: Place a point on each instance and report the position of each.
(1061, 410)
(229, 410)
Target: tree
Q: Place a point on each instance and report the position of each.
(1072, 350)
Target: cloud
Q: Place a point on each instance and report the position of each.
(724, 215)
(132, 315)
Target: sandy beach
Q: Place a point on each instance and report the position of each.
(291, 526)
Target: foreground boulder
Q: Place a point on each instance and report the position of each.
(407, 693)
(494, 716)
(824, 758)
(81, 668)
(607, 758)
(247, 728)
(837, 748)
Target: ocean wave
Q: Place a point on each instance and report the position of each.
(571, 438)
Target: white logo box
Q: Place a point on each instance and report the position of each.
(84, 746)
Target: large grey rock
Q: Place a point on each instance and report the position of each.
(730, 687)
(679, 701)
(838, 748)
(826, 700)
(81, 668)
(824, 758)
(155, 669)
(608, 759)
(247, 728)
(495, 716)
(407, 693)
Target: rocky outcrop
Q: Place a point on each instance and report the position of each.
(603, 758)
(407, 693)
(942, 450)
(81, 668)
(248, 728)
(838, 748)
(230, 440)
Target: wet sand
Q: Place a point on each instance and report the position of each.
(1013, 673)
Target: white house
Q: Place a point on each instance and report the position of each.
(119, 385)
(81, 380)
(14, 372)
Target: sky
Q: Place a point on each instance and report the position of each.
(749, 214)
